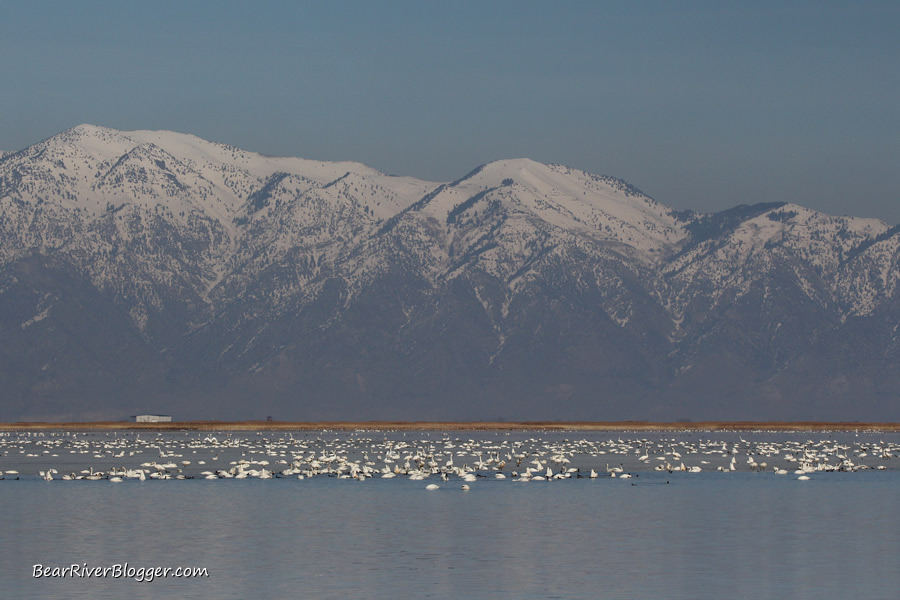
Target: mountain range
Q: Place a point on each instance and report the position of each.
(152, 271)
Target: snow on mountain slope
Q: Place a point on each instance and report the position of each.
(565, 199)
(235, 214)
(213, 262)
(89, 168)
(814, 246)
(872, 274)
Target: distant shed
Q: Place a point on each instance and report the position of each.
(152, 418)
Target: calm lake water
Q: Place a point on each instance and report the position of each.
(658, 535)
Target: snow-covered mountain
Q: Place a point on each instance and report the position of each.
(152, 270)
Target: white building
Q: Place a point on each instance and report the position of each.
(152, 418)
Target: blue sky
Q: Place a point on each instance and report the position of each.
(702, 105)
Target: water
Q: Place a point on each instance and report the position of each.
(701, 535)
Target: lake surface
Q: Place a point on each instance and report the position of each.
(712, 534)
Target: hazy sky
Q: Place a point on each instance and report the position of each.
(702, 105)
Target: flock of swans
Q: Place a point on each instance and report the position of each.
(438, 457)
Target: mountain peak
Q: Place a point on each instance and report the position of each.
(513, 166)
(91, 129)
(92, 139)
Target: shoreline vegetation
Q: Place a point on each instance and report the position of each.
(614, 426)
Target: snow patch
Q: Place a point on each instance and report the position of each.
(36, 318)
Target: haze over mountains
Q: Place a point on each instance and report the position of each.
(152, 271)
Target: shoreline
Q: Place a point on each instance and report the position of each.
(615, 426)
